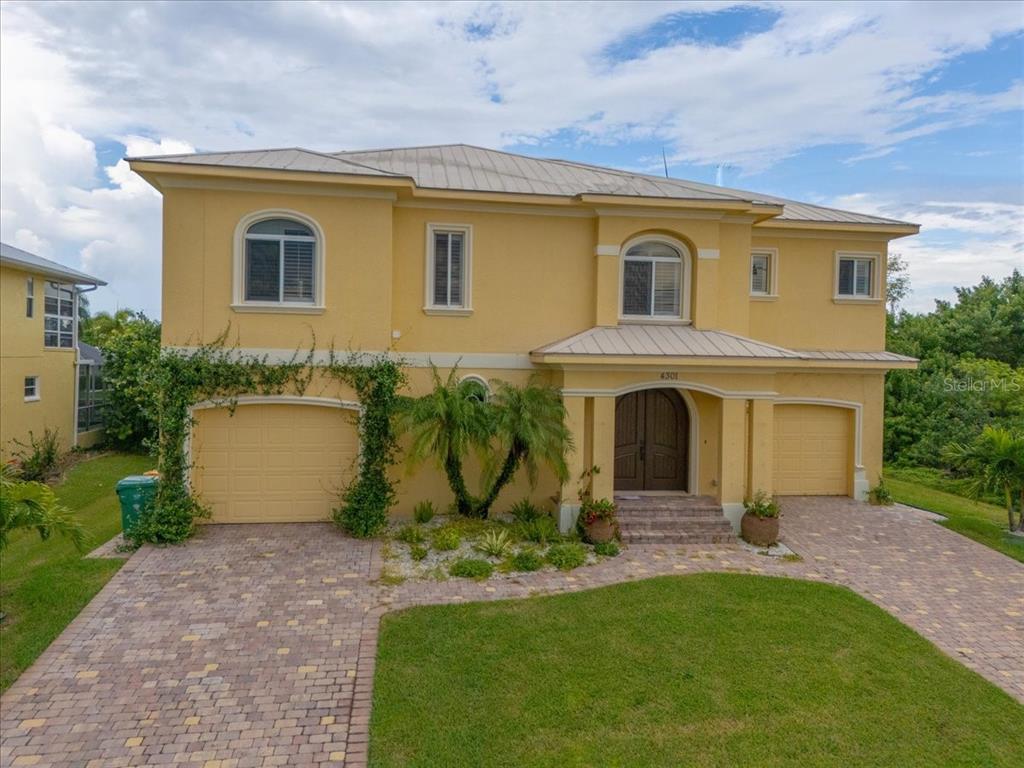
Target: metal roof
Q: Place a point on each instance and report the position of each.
(467, 168)
(668, 340)
(89, 353)
(654, 340)
(40, 266)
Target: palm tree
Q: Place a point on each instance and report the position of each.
(530, 426)
(995, 461)
(25, 504)
(517, 427)
(447, 423)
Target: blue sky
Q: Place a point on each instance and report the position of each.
(910, 110)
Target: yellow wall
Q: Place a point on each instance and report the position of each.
(22, 354)
(537, 276)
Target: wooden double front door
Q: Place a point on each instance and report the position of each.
(652, 431)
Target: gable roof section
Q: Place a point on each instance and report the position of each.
(38, 265)
(685, 341)
(462, 167)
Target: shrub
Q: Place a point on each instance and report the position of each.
(423, 512)
(411, 534)
(37, 459)
(471, 568)
(526, 560)
(131, 351)
(880, 495)
(592, 510)
(525, 511)
(494, 543)
(567, 556)
(445, 539)
(418, 552)
(171, 522)
(762, 505)
(540, 531)
(607, 548)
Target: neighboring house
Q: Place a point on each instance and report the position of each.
(46, 372)
(706, 340)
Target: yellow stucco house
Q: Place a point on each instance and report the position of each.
(50, 380)
(708, 342)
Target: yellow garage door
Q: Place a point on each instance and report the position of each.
(812, 450)
(272, 463)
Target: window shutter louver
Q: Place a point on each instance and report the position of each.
(455, 269)
(298, 271)
(666, 289)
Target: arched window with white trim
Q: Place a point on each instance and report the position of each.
(280, 262)
(655, 274)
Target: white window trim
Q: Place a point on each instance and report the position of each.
(74, 317)
(429, 307)
(773, 273)
(238, 302)
(876, 278)
(38, 394)
(479, 380)
(685, 256)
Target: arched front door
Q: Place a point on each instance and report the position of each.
(652, 430)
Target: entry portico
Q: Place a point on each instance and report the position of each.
(671, 408)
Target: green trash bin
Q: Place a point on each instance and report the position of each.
(135, 493)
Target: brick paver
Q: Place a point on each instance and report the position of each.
(255, 645)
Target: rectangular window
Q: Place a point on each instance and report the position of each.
(30, 297)
(59, 316)
(448, 286)
(761, 276)
(856, 277)
(280, 270)
(636, 288)
(31, 387)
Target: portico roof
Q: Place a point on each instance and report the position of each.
(667, 343)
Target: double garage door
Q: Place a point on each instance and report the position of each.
(813, 448)
(272, 463)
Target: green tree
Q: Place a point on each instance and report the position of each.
(131, 349)
(27, 504)
(98, 328)
(995, 463)
(897, 282)
(517, 427)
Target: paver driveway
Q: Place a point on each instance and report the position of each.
(254, 645)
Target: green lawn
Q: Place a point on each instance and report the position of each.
(985, 523)
(44, 584)
(703, 670)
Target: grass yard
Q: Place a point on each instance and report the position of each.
(978, 520)
(44, 584)
(702, 670)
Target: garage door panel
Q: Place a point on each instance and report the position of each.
(812, 450)
(273, 462)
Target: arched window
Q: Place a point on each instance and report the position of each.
(476, 387)
(280, 262)
(652, 280)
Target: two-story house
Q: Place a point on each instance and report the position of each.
(50, 380)
(707, 341)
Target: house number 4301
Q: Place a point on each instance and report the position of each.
(669, 375)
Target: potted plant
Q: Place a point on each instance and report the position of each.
(597, 516)
(760, 523)
(597, 520)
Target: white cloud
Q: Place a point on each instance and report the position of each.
(331, 76)
(959, 242)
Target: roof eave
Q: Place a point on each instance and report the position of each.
(77, 278)
(562, 359)
(895, 229)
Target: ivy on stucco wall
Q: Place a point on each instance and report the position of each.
(218, 375)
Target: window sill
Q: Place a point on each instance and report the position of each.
(635, 320)
(856, 300)
(284, 309)
(35, 399)
(764, 296)
(452, 311)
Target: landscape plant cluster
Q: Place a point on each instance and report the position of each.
(523, 540)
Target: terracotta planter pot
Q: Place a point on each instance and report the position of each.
(599, 531)
(760, 531)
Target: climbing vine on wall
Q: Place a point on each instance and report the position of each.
(219, 375)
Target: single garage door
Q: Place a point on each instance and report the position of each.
(812, 450)
(272, 463)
